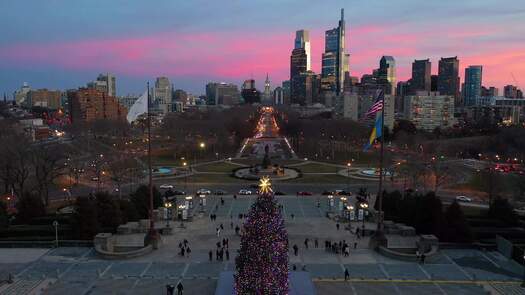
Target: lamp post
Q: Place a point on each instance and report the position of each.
(168, 205)
(55, 225)
(330, 202)
(348, 165)
(363, 207)
(350, 209)
(184, 164)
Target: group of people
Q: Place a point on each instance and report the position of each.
(171, 288)
(184, 248)
(221, 251)
(341, 247)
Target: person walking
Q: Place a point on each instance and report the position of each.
(337, 225)
(170, 289)
(295, 249)
(237, 230)
(355, 245)
(227, 254)
(180, 288)
(182, 252)
(347, 274)
(218, 232)
(188, 252)
(210, 255)
(316, 243)
(423, 256)
(306, 243)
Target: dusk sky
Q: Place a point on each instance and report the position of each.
(62, 44)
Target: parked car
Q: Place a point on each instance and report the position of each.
(203, 191)
(179, 193)
(245, 192)
(166, 186)
(463, 199)
(304, 193)
(327, 193)
(94, 178)
(279, 193)
(220, 192)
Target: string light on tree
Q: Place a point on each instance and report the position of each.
(265, 186)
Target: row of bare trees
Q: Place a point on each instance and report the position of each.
(26, 167)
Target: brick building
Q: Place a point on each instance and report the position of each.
(86, 105)
(44, 98)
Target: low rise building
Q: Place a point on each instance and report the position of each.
(87, 105)
(429, 110)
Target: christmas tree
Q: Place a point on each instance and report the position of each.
(262, 263)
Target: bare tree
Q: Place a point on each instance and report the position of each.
(48, 164)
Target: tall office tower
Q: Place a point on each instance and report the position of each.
(434, 83)
(448, 78)
(387, 74)
(105, 83)
(421, 75)
(306, 88)
(298, 62)
(302, 40)
(335, 60)
(222, 94)
(510, 91)
(472, 87)
(249, 93)
(286, 91)
(162, 95)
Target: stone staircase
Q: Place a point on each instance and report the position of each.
(20, 287)
(508, 289)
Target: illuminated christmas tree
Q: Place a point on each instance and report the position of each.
(262, 263)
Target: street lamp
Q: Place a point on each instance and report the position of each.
(55, 225)
(363, 206)
(350, 210)
(330, 202)
(348, 165)
(168, 213)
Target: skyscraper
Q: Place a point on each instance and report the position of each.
(387, 74)
(448, 78)
(105, 83)
(249, 93)
(421, 75)
(510, 91)
(335, 60)
(473, 80)
(162, 95)
(302, 40)
(267, 94)
(298, 63)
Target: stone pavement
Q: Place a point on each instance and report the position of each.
(80, 271)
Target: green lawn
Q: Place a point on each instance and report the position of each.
(317, 168)
(217, 167)
(211, 178)
(319, 179)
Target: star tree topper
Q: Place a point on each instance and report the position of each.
(265, 186)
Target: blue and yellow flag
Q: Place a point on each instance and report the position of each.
(376, 132)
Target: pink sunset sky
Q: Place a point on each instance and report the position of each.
(193, 55)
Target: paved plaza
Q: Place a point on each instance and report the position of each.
(80, 271)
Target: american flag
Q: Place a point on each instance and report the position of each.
(377, 106)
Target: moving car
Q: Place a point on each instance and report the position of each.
(166, 186)
(220, 192)
(245, 192)
(179, 193)
(203, 191)
(463, 199)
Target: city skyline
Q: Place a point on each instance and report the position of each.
(64, 48)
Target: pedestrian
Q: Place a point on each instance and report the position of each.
(222, 201)
(355, 245)
(337, 225)
(210, 255)
(293, 216)
(227, 254)
(237, 230)
(222, 227)
(423, 256)
(357, 231)
(231, 225)
(180, 288)
(235, 197)
(217, 254)
(218, 232)
(306, 243)
(188, 251)
(303, 268)
(227, 243)
(185, 243)
(295, 249)
(294, 267)
(180, 245)
(170, 289)
(347, 274)
(216, 207)
(347, 253)
(218, 245)
(316, 243)
(182, 252)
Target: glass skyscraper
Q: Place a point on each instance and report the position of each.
(448, 77)
(302, 40)
(335, 60)
(472, 87)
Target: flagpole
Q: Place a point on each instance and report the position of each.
(379, 233)
(152, 234)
